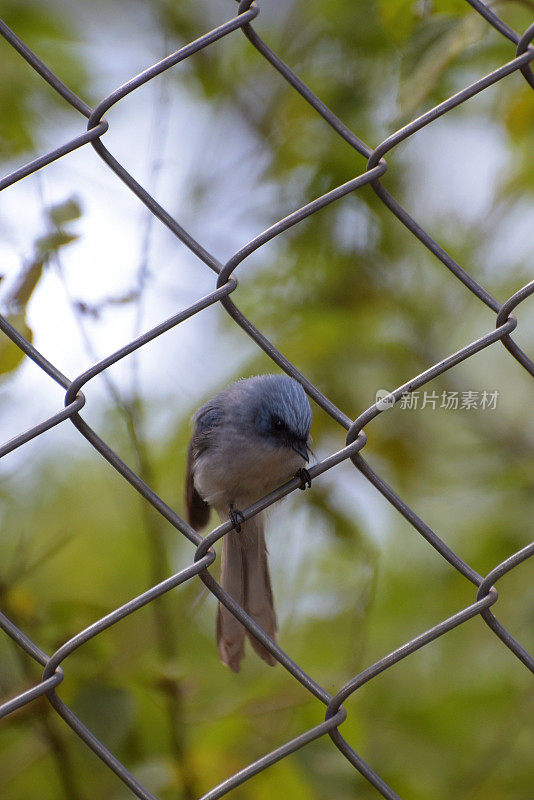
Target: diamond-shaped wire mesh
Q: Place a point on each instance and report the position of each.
(203, 556)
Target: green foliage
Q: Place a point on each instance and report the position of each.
(11, 356)
(46, 247)
(22, 92)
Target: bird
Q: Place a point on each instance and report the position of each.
(247, 440)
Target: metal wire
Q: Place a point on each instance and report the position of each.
(204, 556)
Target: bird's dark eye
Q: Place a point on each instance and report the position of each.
(277, 424)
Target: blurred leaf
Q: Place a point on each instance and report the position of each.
(448, 39)
(11, 356)
(25, 284)
(49, 34)
(109, 712)
(66, 211)
(52, 242)
(22, 602)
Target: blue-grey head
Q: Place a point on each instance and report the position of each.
(280, 411)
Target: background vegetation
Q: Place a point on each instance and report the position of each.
(357, 304)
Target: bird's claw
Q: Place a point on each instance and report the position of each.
(236, 518)
(305, 478)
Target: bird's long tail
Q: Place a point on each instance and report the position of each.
(245, 576)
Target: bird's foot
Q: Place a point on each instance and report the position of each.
(305, 478)
(236, 518)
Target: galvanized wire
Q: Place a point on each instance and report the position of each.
(204, 555)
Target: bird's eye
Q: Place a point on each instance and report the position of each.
(277, 424)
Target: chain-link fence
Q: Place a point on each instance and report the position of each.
(485, 595)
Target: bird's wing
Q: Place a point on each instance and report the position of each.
(206, 420)
(198, 511)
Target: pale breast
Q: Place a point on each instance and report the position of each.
(243, 475)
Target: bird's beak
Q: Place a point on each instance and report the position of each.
(301, 447)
